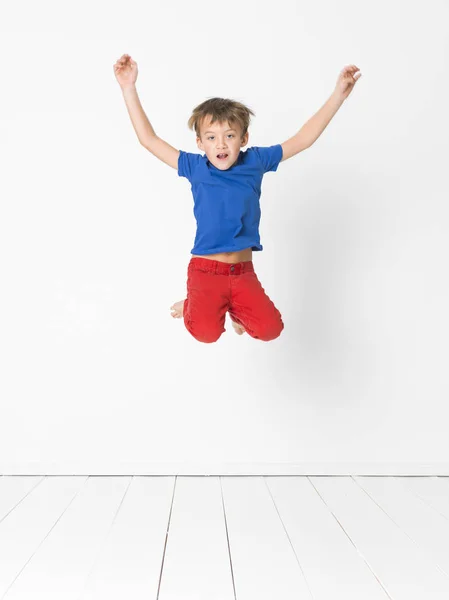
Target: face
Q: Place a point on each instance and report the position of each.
(221, 138)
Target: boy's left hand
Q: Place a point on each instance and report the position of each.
(347, 80)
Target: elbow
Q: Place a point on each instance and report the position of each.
(148, 141)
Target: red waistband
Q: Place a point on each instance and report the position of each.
(218, 266)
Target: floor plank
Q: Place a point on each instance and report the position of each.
(422, 524)
(197, 563)
(264, 563)
(332, 566)
(25, 527)
(130, 560)
(14, 489)
(61, 564)
(434, 491)
(403, 569)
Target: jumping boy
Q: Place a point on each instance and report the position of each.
(226, 187)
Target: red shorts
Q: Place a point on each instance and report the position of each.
(215, 288)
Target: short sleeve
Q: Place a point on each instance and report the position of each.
(187, 163)
(269, 156)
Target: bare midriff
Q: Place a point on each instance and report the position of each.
(229, 257)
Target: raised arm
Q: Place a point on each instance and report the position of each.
(315, 126)
(125, 70)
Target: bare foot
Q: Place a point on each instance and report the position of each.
(238, 328)
(177, 309)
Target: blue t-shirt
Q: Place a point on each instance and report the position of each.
(226, 203)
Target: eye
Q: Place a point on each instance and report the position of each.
(211, 136)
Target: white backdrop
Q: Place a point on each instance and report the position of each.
(96, 233)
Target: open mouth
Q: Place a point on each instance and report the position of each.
(222, 156)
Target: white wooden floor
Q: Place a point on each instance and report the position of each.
(224, 538)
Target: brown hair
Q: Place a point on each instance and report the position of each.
(221, 109)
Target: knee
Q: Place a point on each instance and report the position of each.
(270, 332)
(207, 336)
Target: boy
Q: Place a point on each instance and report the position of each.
(226, 185)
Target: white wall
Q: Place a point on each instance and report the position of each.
(96, 233)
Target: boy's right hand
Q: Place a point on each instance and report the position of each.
(125, 70)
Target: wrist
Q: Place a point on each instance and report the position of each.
(337, 96)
